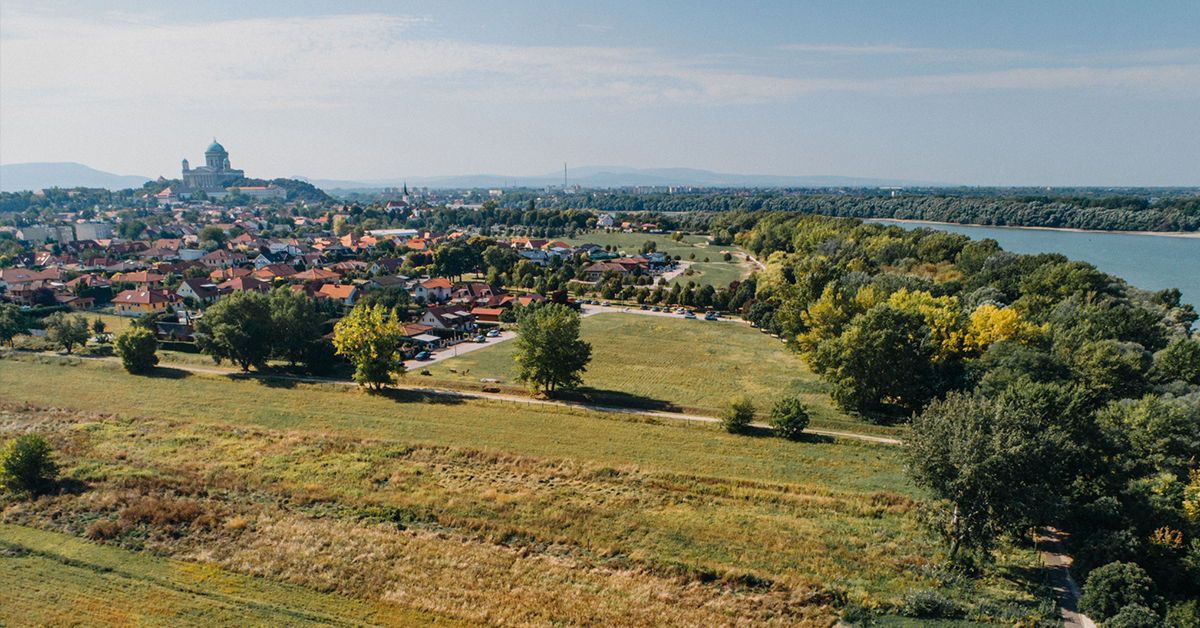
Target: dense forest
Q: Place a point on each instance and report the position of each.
(1037, 390)
(1113, 213)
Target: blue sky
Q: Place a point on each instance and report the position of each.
(976, 93)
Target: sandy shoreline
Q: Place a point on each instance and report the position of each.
(1173, 234)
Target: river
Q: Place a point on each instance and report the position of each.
(1148, 261)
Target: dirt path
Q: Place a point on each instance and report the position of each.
(509, 398)
(1057, 561)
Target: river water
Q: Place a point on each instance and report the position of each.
(1150, 262)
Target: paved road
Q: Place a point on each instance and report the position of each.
(457, 350)
(1066, 593)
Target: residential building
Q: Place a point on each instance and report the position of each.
(143, 300)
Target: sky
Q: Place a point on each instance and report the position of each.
(1064, 93)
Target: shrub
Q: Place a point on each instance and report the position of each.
(26, 465)
(737, 414)
(137, 347)
(1113, 587)
(1134, 616)
(928, 603)
(789, 417)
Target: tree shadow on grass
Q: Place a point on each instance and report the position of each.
(278, 382)
(70, 486)
(167, 372)
(408, 395)
(615, 398)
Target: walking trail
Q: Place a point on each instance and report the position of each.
(511, 398)
(1066, 593)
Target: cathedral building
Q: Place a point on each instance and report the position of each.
(215, 173)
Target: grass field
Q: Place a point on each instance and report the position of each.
(631, 243)
(656, 362)
(716, 274)
(67, 581)
(679, 447)
(477, 510)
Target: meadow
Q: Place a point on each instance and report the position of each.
(669, 363)
(473, 510)
(68, 581)
(287, 517)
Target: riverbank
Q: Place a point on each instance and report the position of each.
(934, 223)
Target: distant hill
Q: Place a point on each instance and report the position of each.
(619, 176)
(63, 174)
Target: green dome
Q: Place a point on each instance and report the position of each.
(214, 148)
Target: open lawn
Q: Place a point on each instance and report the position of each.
(716, 274)
(659, 362)
(483, 511)
(631, 243)
(681, 447)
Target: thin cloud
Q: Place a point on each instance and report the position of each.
(993, 55)
(333, 62)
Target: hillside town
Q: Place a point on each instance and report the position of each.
(174, 260)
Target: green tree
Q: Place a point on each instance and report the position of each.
(789, 417)
(1115, 586)
(295, 325)
(1179, 361)
(12, 323)
(137, 349)
(548, 351)
(994, 467)
(737, 415)
(68, 332)
(1134, 616)
(99, 327)
(237, 328)
(27, 465)
(881, 363)
(370, 338)
(212, 233)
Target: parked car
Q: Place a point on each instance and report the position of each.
(644, 307)
(689, 314)
(424, 355)
(480, 338)
(680, 310)
(605, 304)
(656, 309)
(494, 333)
(710, 316)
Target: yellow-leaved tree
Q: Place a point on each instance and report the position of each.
(989, 324)
(943, 317)
(370, 338)
(828, 316)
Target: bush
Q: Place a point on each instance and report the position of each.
(98, 351)
(1113, 587)
(25, 464)
(137, 347)
(1134, 616)
(927, 603)
(789, 417)
(737, 415)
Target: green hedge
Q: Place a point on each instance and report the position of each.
(182, 347)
